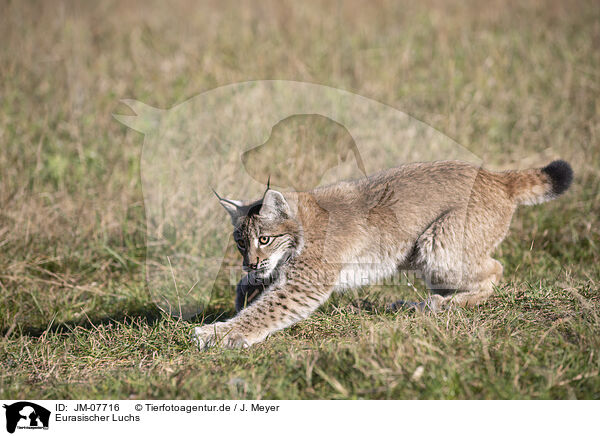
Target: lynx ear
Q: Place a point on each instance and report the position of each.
(275, 205)
(233, 207)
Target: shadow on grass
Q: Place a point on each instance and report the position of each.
(149, 315)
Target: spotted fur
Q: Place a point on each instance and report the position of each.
(443, 219)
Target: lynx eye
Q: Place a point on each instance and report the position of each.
(241, 245)
(264, 240)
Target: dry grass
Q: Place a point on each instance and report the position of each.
(516, 83)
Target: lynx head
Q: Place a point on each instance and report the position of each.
(267, 231)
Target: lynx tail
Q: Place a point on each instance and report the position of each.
(539, 185)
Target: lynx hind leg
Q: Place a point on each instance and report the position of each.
(440, 254)
(475, 289)
(438, 257)
(451, 267)
(479, 288)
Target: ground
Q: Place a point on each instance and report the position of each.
(517, 83)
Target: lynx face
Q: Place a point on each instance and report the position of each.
(263, 243)
(265, 232)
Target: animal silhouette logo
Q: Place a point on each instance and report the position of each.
(232, 139)
(300, 150)
(26, 415)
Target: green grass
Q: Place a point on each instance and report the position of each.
(516, 83)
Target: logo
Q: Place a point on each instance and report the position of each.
(26, 415)
(236, 138)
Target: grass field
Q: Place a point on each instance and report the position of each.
(518, 83)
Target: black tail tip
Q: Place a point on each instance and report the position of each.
(561, 175)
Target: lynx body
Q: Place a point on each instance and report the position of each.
(443, 219)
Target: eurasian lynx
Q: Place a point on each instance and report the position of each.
(441, 218)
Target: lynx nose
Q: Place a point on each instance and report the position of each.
(252, 266)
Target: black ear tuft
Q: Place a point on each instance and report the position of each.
(561, 176)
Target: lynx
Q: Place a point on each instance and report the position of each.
(443, 219)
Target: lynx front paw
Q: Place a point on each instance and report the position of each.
(219, 334)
